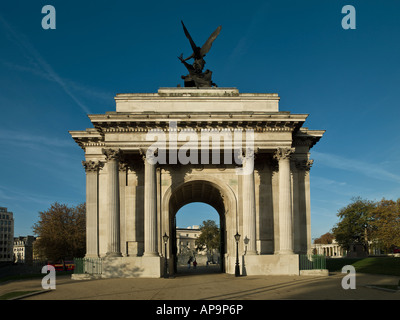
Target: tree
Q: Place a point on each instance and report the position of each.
(61, 232)
(355, 225)
(386, 223)
(326, 238)
(209, 237)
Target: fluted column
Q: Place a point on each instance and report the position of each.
(112, 156)
(303, 167)
(285, 201)
(92, 235)
(249, 203)
(150, 206)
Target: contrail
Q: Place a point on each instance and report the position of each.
(31, 52)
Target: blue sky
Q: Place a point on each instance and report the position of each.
(347, 80)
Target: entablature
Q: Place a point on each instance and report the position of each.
(259, 122)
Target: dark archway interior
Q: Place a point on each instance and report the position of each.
(196, 191)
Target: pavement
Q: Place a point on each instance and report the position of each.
(201, 285)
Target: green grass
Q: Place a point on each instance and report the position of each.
(373, 265)
(15, 294)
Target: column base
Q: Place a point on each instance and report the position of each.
(151, 254)
(284, 252)
(253, 252)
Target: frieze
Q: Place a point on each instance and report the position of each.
(197, 126)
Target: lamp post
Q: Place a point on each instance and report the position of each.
(165, 238)
(237, 270)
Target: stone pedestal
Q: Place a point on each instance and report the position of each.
(271, 265)
(132, 267)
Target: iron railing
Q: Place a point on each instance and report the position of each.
(88, 265)
(312, 262)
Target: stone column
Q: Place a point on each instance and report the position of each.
(92, 235)
(249, 204)
(303, 167)
(112, 156)
(150, 206)
(285, 201)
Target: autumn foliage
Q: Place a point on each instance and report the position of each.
(364, 221)
(61, 232)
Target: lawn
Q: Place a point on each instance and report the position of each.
(375, 265)
(15, 294)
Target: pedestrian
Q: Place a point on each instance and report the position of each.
(194, 263)
(189, 261)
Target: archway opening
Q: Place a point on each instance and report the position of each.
(198, 239)
(191, 204)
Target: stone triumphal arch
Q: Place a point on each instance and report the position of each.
(149, 158)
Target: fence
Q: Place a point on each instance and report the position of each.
(88, 265)
(312, 262)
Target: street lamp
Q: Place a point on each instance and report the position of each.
(237, 270)
(165, 238)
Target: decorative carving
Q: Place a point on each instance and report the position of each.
(128, 125)
(112, 154)
(122, 166)
(304, 164)
(127, 163)
(92, 166)
(283, 153)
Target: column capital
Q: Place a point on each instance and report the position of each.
(149, 155)
(91, 165)
(283, 153)
(112, 154)
(304, 164)
(126, 164)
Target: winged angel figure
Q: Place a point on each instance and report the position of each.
(196, 77)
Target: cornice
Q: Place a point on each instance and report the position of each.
(119, 124)
(306, 137)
